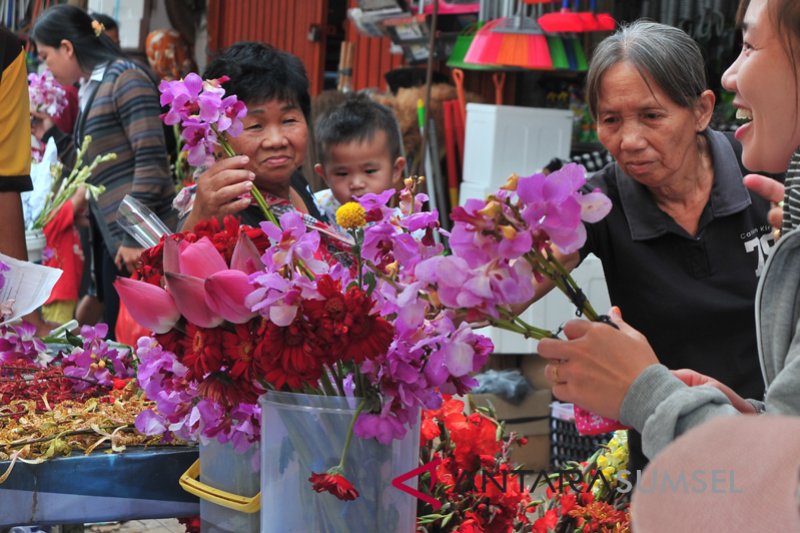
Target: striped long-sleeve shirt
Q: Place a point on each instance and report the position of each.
(791, 198)
(123, 118)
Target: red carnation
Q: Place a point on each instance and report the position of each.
(335, 483)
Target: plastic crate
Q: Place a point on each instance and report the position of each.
(566, 444)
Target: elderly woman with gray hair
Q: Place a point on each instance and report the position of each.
(685, 242)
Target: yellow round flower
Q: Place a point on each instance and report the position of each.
(351, 216)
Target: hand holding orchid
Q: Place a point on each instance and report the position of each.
(207, 118)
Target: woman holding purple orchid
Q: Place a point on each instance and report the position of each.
(685, 242)
(119, 109)
(271, 147)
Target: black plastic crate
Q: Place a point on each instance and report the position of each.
(566, 444)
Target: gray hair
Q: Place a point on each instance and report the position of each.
(665, 54)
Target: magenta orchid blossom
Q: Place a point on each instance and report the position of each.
(45, 94)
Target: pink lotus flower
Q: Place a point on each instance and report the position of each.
(149, 305)
(226, 291)
(189, 294)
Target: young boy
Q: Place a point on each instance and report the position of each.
(359, 149)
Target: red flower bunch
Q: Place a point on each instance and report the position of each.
(589, 496)
(474, 479)
(339, 328)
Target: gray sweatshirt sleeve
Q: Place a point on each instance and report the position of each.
(661, 407)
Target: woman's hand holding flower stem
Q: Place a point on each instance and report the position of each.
(259, 198)
(596, 365)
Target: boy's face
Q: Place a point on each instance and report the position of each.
(357, 167)
(275, 138)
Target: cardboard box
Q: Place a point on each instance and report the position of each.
(532, 367)
(530, 419)
(535, 455)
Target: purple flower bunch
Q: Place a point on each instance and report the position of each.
(499, 242)
(204, 114)
(96, 361)
(20, 342)
(430, 353)
(45, 94)
(165, 381)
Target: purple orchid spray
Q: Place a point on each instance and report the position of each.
(207, 118)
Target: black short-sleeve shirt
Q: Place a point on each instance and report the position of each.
(691, 296)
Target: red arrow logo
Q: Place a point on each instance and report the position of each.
(429, 467)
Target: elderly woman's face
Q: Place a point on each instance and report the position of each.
(275, 138)
(649, 135)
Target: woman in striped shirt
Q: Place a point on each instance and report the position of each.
(119, 108)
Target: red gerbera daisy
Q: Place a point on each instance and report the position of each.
(368, 335)
(239, 347)
(289, 355)
(203, 354)
(335, 483)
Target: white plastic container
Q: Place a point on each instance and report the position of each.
(224, 469)
(303, 434)
(502, 140)
(35, 242)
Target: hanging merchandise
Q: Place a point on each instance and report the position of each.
(594, 21)
(521, 42)
(485, 46)
(562, 21)
(575, 55)
(461, 46)
(558, 53)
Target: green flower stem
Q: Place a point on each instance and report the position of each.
(78, 176)
(350, 434)
(586, 306)
(551, 268)
(532, 331)
(525, 330)
(262, 203)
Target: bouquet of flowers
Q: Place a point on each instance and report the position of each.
(60, 189)
(238, 312)
(232, 325)
(511, 235)
(472, 479)
(206, 117)
(45, 95)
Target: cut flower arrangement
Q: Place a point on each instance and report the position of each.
(239, 312)
(481, 490)
(63, 187)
